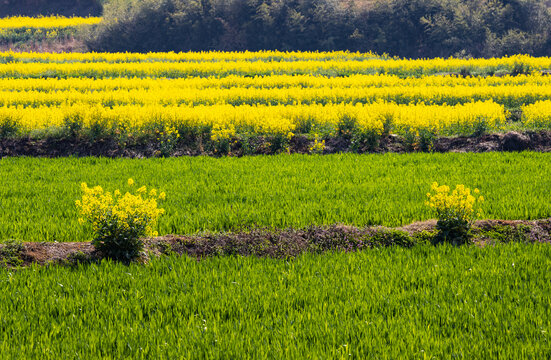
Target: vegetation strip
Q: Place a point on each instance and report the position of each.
(283, 243)
(218, 194)
(67, 144)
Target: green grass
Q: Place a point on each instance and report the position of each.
(37, 195)
(421, 303)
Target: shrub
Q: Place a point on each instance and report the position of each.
(364, 140)
(317, 146)
(506, 233)
(10, 252)
(391, 237)
(73, 125)
(456, 212)
(419, 139)
(8, 128)
(77, 258)
(119, 221)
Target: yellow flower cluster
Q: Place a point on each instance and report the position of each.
(167, 133)
(46, 22)
(318, 146)
(138, 209)
(447, 120)
(537, 115)
(458, 204)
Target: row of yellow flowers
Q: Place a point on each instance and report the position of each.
(169, 93)
(335, 59)
(227, 120)
(46, 22)
(269, 82)
(199, 56)
(16, 65)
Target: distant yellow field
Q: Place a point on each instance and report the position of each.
(46, 22)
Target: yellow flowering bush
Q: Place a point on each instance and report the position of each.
(120, 220)
(318, 146)
(456, 210)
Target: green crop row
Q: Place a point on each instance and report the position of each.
(22, 35)
(37, 196)
(421, 303)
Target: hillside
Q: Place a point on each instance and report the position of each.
(50, 7)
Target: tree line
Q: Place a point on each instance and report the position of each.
(405, 28)
(51, 7)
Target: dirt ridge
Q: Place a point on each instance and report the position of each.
(289, 242)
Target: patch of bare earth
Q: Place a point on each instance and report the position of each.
(44, 252)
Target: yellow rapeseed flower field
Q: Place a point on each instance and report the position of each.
(269, 92)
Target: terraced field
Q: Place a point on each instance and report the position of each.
(382, 294)
(209, 194)
(219, 98)
(23, 32)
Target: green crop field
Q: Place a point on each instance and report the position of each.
(260, 266)
(421, 303)
(37, 195)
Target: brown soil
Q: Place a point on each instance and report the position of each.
(282, 243)
(109, 147)
(42, 253)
